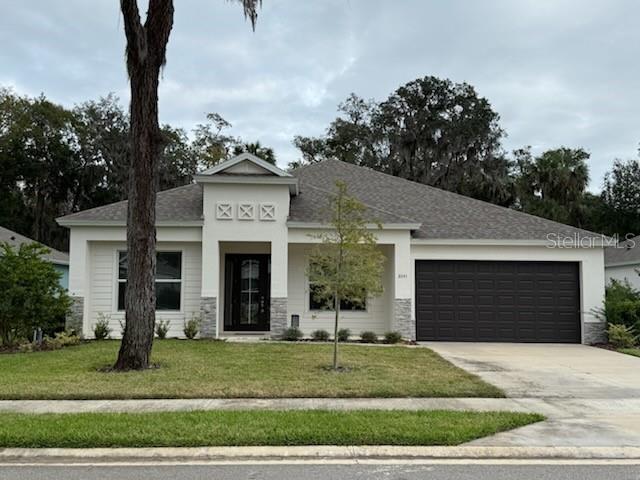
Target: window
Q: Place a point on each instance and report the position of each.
(168, 280)
(314, 304)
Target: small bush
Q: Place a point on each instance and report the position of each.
(368, 337)
(60, 340)
(392, 337)
(621, 336)
(344, 334)
(292, 334)
(192, 327)
(101, 330)
(320, 336)
(621, 305)
(162, 328)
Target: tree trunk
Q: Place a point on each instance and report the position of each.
(146, 47)
(335, 332)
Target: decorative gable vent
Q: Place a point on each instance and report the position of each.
(246, 211)
(267, 212)
(224, 211)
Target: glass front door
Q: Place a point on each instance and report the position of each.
(247, 292)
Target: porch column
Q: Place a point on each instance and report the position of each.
(402, 320)
(210, 286)
(279, 287)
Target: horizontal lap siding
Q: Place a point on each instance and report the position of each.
(497, 301)
(376, 318)
(103, 285)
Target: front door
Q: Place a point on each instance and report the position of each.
(247, 292)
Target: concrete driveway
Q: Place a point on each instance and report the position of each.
(590, 396)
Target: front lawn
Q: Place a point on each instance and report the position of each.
(255, 427)
(209, 369)
(630, 351)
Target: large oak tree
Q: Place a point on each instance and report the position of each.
(145, 55)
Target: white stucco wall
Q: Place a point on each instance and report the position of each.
(591, 261)
(376, 318)
(624, 272)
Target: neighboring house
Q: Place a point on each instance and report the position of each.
(233, 247)
(622, 262)
(60, 260)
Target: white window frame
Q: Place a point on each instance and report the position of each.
(315, 311)
(118, 280)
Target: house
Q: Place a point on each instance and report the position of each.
(234, 245)
(60, 260)
(622, 262)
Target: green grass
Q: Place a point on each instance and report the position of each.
(196, 369)
(630, 351)
(256, 427)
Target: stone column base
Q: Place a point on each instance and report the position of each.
(75, 317)
(402, 321)
(278, 320)
(208, 310)
(594, 332)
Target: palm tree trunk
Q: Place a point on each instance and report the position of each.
(146, 47)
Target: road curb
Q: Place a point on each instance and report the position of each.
(13, 455)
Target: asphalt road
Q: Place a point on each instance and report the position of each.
(324, 472)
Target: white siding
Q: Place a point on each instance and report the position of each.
(103, 276)
(624, 272)
(376, 318)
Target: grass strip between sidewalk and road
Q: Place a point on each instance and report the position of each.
(254, 428)
(214, 369)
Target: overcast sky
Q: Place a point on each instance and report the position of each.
(558, 72)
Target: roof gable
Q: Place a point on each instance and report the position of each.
(245, 164)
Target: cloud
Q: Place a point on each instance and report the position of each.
(559, 72)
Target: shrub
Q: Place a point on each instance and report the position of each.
(60, 340)
(162, 328)
(31, 297)
(101, 330)
(292, 334)
(344, 334)
(621, 336)
(368, 337)
(392, 337)
(192, 327)
(320, 336)
(621, 305)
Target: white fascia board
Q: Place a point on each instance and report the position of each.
(371, 226)
(256, 180)
(497, 242)
(120, 223)
(250, 157)
(623, 264)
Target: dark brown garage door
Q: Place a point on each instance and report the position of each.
(480, 301)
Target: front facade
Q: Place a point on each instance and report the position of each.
(233, 251)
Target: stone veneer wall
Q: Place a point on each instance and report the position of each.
(208, 309)
(278, 321)
(594, 332)
(402, 318)
(74, 318)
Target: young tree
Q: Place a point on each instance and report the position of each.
(145, 55)
(31, 293)
(346, 265)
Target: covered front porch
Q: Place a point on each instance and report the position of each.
(262, 290)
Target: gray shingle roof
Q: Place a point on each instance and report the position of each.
(442, 214)
(15, 240)
(180, 204)
(626, 252)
